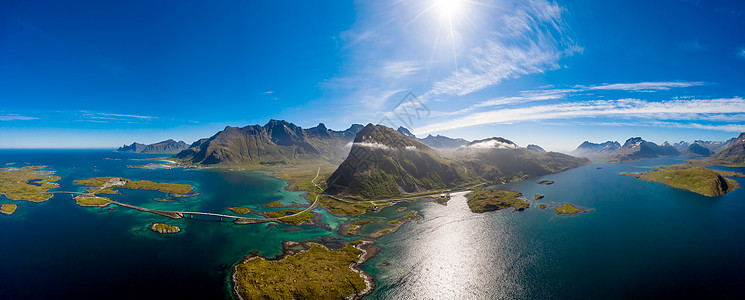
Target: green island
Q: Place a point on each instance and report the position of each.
(542, 206)
(8, 209)
(489, 200)
(105, 185)
(538, 197)
(28, 183)
(546, 182)
(102, 185)
(240, 210)
(164, 228)
(94, 201)
(274, 204)
(568, 209)
(703, 181)
(315, 272)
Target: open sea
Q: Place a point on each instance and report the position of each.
(641, 239)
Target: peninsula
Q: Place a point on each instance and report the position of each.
(703, 181)
(305, 271)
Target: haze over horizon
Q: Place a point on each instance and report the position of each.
(89, 74)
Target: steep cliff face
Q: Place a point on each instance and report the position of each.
(277, 142)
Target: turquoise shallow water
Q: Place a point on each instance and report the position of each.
(642, 239)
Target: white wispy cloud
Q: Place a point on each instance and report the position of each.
(693, 109)
(645, 86)
(533, 37)
(15, 117)
(104, 117)
(495, 62)
(400, 69)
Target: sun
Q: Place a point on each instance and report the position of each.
(449, 8)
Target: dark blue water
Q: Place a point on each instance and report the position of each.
(641, 239)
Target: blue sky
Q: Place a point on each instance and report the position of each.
(105, 73)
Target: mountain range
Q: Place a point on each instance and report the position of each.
(386, 163)
(376, 162)
(734, 155)
(165, 147)
(276, 143)
(439, 142)
(633, 149)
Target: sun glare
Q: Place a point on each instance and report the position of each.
(449, 7)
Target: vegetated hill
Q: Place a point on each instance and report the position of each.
(734, 155)
(633, 149)
(501, 160)
(385, 163)
(593, 150)
(439, 142)
(276, 143)
(165, 147)
(699, 180)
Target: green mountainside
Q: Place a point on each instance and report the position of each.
(385, 163)
(733, 155)
(276, 143)
(506, 162)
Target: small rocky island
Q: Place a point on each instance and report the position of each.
(304, 271)
(490, 200)
(8, 209)
(165, 228)
(568, 209)
(703, 181)
(546, 182)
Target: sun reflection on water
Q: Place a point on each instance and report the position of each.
(450, 255)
